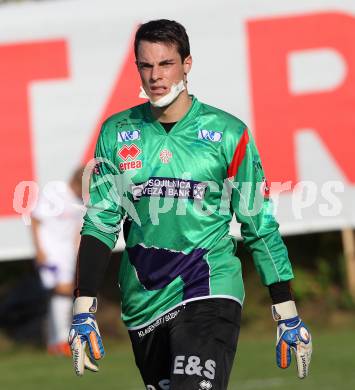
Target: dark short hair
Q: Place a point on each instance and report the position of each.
(164, 30)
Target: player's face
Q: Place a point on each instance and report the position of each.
(160, 66)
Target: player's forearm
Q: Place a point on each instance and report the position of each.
(93, 259)
(271, 259)
(280, 292)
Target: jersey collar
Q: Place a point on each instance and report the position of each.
(190, 115)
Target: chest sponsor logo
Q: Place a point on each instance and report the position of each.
(165, 156)
(128, 165)
(128, 135)
(169, 188)
(210, 135)
(131, 151)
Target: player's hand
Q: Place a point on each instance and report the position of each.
(85, 332)
(292, 335)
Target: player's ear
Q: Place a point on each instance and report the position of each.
(187, 64)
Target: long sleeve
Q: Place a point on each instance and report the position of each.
(92, 262)
(253, 210)
(104, 212)
(102, 219)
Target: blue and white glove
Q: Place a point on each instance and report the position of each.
(84, 331)
(292, 334)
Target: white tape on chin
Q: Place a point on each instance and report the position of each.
(85, 305)
(167, 99)
(284, 311)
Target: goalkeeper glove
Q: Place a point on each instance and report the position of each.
(292, 334)
(84, 330)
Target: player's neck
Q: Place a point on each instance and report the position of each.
(175, 111)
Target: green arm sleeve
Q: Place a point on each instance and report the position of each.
(104, 212)
(253, 210)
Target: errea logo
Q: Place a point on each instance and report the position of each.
(205, 385)
(129, 155)
(131, 152)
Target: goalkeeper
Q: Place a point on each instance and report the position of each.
(176, 169)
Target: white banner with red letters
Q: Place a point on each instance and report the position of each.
(286, 68)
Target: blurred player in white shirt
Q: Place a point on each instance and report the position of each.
(56, 223)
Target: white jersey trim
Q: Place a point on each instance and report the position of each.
(183, 303)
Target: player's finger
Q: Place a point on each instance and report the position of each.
(90, 364)
(95, 345)
(78, 353)
(303, 357)
(283, 354)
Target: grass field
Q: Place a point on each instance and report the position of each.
(333, 367)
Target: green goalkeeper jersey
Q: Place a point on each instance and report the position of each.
(179, 190)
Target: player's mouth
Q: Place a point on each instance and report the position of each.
(158, 91)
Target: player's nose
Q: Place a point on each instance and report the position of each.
(155, 73)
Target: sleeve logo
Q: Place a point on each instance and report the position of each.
(128, 135)
(210, 135)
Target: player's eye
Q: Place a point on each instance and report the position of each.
(166, 64)
(144, 66)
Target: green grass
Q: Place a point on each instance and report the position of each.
(332, 367)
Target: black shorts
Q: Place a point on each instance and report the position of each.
(190, 348)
